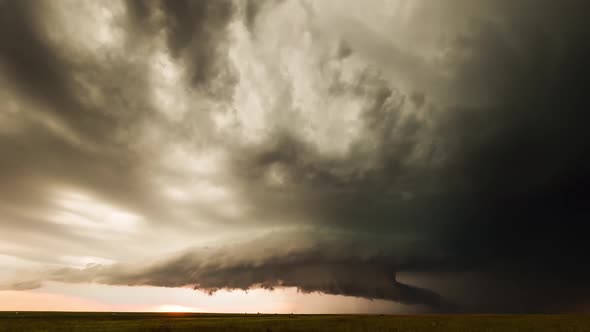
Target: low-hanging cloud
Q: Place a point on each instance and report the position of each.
(330, 267)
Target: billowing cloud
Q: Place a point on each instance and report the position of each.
(333, 266)
(372, 142)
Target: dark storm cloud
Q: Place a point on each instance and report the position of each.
(196, 32)
(253, 8)
(38, 70)
(373, 186)
(198, 22)
(517, 165)
(501, 184)
(334, 265)
(484, 197)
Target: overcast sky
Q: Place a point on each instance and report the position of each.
(295, 156)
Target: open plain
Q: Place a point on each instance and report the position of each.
(171, 322)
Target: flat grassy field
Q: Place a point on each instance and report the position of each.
(158, 322)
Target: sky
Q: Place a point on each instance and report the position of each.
(400, 156)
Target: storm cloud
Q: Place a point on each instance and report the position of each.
(332, 266)
(422, 153)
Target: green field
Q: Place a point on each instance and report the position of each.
(156, 322)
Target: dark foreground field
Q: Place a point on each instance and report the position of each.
(63, 321)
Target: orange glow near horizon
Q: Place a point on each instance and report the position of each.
(92, 297)
(174, 308)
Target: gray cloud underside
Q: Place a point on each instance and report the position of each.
(472, 167)
(329, 267)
